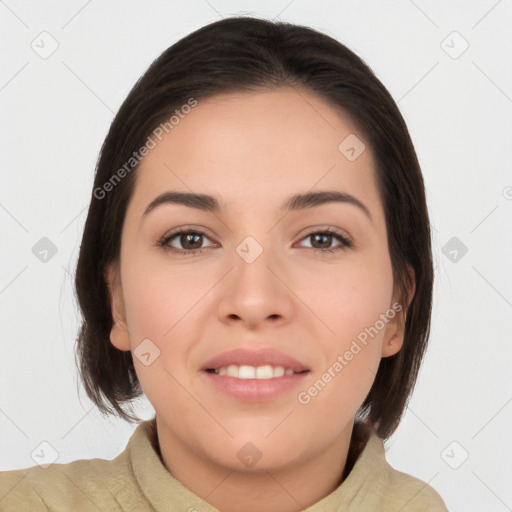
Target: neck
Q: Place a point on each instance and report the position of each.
(281, 490)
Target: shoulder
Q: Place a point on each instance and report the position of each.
(411, 494)
(84, 485)
(401, 491)
(372, 484)
(78, 485)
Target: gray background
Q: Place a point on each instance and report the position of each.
(457, 101)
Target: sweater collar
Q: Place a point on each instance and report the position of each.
(160, 488)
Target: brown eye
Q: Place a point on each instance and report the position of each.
(191, 241)
(322, 241)
(184, 242)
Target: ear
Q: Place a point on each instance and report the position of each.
(119, 332)
(395, 329)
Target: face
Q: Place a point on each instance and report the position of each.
(258, 287)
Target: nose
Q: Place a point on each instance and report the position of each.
(255, 292)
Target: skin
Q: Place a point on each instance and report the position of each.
(252, 151)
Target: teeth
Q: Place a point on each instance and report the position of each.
(253, 372)
(278, 371)
(246, 372)
(232, 371)
(264, 372)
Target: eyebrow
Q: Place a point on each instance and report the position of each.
(296, 202)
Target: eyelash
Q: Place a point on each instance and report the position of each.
(163, 243)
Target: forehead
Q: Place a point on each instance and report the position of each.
(256, 148)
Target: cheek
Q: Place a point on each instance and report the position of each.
(159, 298)
(348, 298)
(350, 303)
(334, 396)
(165, 304)
(160, 307)
(350, 306)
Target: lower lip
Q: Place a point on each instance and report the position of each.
(255, 390)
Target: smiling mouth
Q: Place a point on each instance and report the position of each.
(245, 372)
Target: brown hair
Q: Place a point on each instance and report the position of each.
(241, 54)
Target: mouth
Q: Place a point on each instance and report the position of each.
(245, 372)
(252, 376)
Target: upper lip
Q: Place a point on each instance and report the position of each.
(251, 357)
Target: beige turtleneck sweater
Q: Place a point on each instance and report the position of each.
(137, 481)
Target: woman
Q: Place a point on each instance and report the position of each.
(256, 260)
